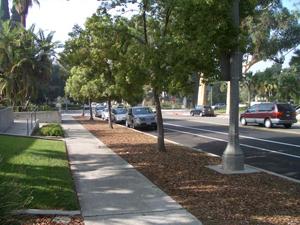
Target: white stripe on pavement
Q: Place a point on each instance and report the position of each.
(224, 133)
(249, 146)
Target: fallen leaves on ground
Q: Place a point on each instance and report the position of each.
(215, 199)
(53, 220)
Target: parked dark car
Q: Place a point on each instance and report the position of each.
(269, 114)
(141, 117)
(119, 115)
(202, 110)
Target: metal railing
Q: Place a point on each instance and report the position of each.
(31, 122)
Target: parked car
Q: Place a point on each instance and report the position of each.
(119, 115)
(98, 111)
(269, 114)
(105, 114)
(218, 106)
(202, 110)
(94, 104)
(139, 117)
(86, 107)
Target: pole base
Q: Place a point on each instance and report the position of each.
(233, 162)
(219, 169)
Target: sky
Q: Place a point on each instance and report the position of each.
(61, 15)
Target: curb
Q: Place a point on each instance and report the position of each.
(214, 155)
(40, 212)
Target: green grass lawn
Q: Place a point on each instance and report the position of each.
(34, 173)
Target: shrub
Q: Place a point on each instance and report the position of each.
(170, 105)
(52, 129)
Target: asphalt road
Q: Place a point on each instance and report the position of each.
(276, 150)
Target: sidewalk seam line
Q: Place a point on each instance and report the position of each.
(138, 212)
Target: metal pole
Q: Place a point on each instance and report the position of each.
(233, 157)
(31, 121)
(27, 131)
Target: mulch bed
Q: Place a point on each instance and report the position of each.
(213, 198)
(53, 220)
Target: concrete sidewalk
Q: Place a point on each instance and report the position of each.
(111, 191)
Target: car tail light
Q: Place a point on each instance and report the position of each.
(279, 114)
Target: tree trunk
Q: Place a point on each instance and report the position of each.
(249, 94)
(91, 110)
(15, 17)
(23, 20)
(160, 127)
(110, 125)
(4, 10)
(83, 110)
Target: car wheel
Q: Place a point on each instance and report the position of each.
(287, 125)
(243, 121)
(268, 123)
(192, 114)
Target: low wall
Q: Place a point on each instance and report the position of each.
(6, 118)
(42, 116)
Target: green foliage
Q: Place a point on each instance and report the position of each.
(170, 105)
(277, 84)
(8, 205)
(106, 71)
(219, 92)
(269, 33)
(34, 173)
(50, 89)
(25, 62)
(52, 129)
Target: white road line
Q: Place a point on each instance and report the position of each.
(249, 146)
(242, 136)
(286, 131)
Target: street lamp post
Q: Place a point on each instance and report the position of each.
(233, 157)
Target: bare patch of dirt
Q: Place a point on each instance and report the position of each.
(256, 199)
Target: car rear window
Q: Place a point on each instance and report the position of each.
(265, 107)
(120, 111)
(284, 107)
(139, 111)
(198, 107)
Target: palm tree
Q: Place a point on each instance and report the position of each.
(9, 85)
(25, 62)
(4, 10)
(22, 7)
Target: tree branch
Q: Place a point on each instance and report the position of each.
(145, 22)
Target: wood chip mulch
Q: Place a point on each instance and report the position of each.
(53, 220)
(215, 199)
